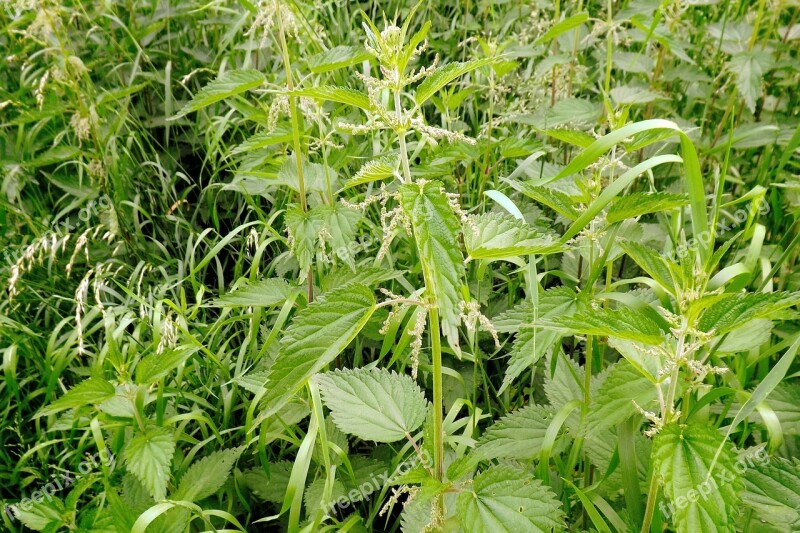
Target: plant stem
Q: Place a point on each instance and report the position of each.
(438, 415)
(401, 136)
(298, 158)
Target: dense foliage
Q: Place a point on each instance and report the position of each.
(478, 266)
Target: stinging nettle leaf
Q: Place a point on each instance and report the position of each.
(336, 58)
(444, 75)
(682, 456)
(637, 204)
(505, 499)
(373, 404)
(264, 293)
(625, 323)
(435, 230)
(92, 391)
(497, 236)
(206, 476)
(148, 456)
(155, 366)
(772, 489)
(517, 436)
(315, 337)
(228, 84)
(341, 95)
(377, 169)
(614, 402)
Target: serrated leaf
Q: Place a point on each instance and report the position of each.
(228, 84)
(337, 224)
(652, 263)
(303, 231)
(558, 201)
(263, 293)
(563, 26)
(91, 391)
(735, 309)
(748, 336)
(435, 230)
(280, 134)
(56, 154)
(638, 203)
(516, 436)
(270, 488)
(631, 95)
(47, 514)
(374, 170)
(315, 337)
(444, 75)
(148, 456)
(682, 455)
(772, 490)
(749, 68)
(336, 58)
(498, 235)
(373, 404)
(206, 476)
(614, 402)
(625, 323)
(155, 366)
(503, 498)
(341, 95)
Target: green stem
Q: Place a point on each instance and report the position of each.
(401, 135)
(652, 496)
(438, 413)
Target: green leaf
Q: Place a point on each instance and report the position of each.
(336, 58)
(639, 203)
(373, 404)
(45, 515)
(701, 500)
(558, 201)
(148, 456)
(444, 75)
(735, 309)
(631, 95)
(503, 498)
(155, 366)
(749, 67)
(517, 436)
(341, 95)
(652, 263)
(92, 391)
(772, 490)
(623, 322)
(563, 26)
(264, 293)
(337, 226)
(315, 337)
(206, 476)
(435, 230)
(303, 231)
(374, 170)
(228, 84)
(498, 235)
(280, 134)
(614, 401)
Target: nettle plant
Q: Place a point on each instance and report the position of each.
(655, 429)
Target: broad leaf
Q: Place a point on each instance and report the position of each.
(435, 230)
(497, 235)
(155, 366)
(281, 134)
(772, 489)
(503, 498)
(444, 75)
(682, 455)
(315, 337)
(735, 309)
(376, 169)
(558, 201)
(148, 456)
(336, 225)
(652, 263)
(92, 391)
(749, 68)
(303, 231)
(516, 436)
(206, 476)
(625, 323)
(637, 204)
(336, 58)
(264, 293)
(373, 404)
(341, 95)
(229, 84)
(614, 402)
